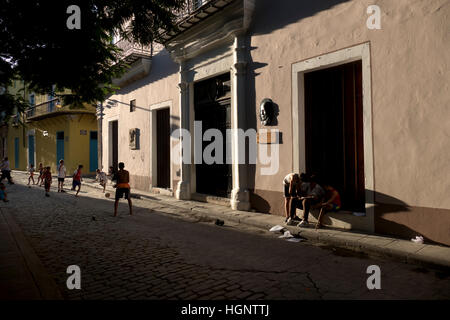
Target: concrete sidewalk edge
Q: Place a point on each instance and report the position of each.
(398, 249)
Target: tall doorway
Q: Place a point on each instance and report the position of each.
(212, 106)
(114, 145)
(59, 146)
(334, 130)
(31, 148)
(163, 148)
(93, 154)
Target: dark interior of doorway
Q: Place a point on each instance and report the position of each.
(212, 106)
(115, 144)
(334, 131)
(163, 148)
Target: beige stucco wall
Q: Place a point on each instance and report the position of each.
(159, 86)
(410, 90)
(409, 98)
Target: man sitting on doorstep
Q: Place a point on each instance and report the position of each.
(312, 200)
(294, 186)
(332, 203)
(291, 184)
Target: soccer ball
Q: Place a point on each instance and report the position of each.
(107, 194)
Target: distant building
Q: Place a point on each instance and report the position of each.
(365, 108)
(49, 131)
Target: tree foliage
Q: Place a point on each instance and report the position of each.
(37, 46)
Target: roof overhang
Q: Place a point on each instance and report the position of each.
(212, 25)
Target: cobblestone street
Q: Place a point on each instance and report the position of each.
(153, 255)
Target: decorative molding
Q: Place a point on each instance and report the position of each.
(138, 70)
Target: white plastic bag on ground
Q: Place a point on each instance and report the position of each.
(286, 234)
(276, 228)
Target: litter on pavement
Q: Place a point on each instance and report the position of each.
(276, 228)
(418, 239)
(286, 234)
(295, 240)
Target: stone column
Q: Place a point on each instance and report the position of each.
(183, 191)
(240, 197)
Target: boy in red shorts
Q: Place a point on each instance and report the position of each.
(77, 179)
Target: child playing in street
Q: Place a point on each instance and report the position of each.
(31, 174)
(47, 177)
(332, 203)
(111, 173)
(3, 195)
(76, 179)
(101, 177)
(61, 175)
(122, 178)
(41, 174)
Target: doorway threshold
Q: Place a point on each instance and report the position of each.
(211, 199)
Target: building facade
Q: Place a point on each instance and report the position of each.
(354, 92)
(49, 131)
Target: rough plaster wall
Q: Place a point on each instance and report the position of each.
(411, 117)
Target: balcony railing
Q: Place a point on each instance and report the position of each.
(190, 7)
(53, 108)
(194, 12)
(133, 51)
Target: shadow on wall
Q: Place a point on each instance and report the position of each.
(267, 17)
(270, 15)
(162, 67)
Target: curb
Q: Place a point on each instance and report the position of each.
(342, 239)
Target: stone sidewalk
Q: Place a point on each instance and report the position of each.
(398, 249)
(22, 276)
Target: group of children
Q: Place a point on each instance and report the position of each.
(45, 177)
(303, 192)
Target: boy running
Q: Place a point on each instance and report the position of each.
(31, 174)
(47, 180)
(77, 179)
(61, 175)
